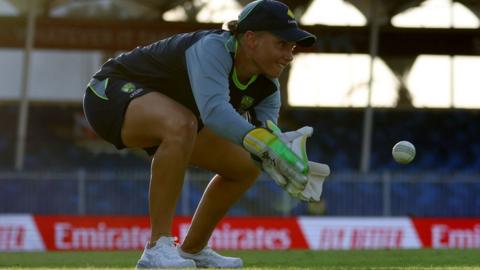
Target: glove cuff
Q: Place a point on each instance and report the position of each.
(257, 140)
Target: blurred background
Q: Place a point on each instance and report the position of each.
(381, 71)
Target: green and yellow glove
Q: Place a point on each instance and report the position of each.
(318, 172)
(277, 157)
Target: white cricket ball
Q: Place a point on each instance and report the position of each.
(403, 152)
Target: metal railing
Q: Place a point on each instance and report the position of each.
(84, 192)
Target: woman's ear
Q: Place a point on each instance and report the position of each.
(250, 39)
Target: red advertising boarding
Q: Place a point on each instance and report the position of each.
(131, 233)
(448, 233)
(251, 233)
(93, 232)
(24, 232)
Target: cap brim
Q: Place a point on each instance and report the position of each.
(297, 35)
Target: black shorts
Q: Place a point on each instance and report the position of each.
(106, 100)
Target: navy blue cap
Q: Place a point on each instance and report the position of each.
(276, 18)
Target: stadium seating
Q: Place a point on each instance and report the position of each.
(442, 180)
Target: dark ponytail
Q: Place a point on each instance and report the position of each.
(232, 26)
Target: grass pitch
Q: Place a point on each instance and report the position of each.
(291, 259)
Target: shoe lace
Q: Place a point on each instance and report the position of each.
(209, 251)
(170, 250)
(173, 241)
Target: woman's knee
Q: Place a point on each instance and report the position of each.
(247, 172)
(180, 134)
(182, 127)
(154, 118)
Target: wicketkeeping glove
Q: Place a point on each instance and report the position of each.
(287, 138)
(296, 141)
(316, 176)
(277, 158)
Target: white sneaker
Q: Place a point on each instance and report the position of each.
(163, 255)
(207, 258)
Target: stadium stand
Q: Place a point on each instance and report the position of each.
(440, 182)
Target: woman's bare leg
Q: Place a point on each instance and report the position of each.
(154, 119)
(236, 172)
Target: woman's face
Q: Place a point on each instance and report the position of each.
(272, 54)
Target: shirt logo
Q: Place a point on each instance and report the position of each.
(292, 17)
(290, 14)
(246, 103)
(128, 87)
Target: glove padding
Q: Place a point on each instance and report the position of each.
(316, 176)
(277, 158)
(287, 138)
(296, 141)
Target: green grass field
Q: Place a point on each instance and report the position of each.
(292, 259)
